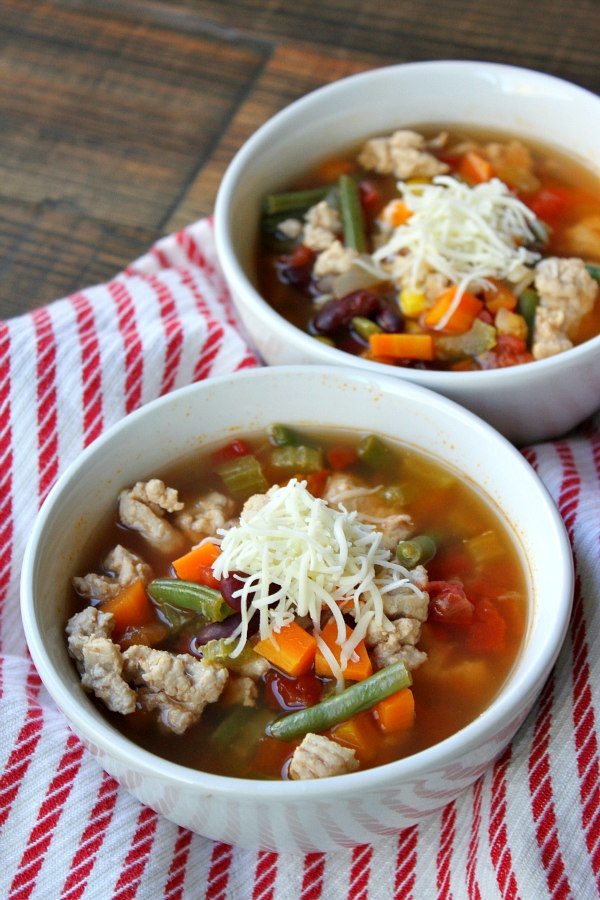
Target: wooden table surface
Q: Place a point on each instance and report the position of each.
(118, 117)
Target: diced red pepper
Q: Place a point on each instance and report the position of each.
(551, 203)
(448, 603)
(370, 198)
(341, 457)
(284, 692)
(487, 633)
(230, 451)
(315, 481)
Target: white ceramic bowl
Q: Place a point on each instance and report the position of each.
(312, 814)
(526, 403)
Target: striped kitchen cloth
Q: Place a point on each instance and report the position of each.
(529, 828)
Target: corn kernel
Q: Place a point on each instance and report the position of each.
(412, 303)
(508, 322)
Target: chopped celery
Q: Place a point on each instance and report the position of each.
(351, 214)
(219, 651)
(417, 551)
(373, 451)
(480, 338)
(484, 547)
(298, 459)
(528, 303)
(243, 477)
(283, 436)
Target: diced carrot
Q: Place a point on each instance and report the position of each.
(148, 635)
(402, 346)
(475, 168)
(131, 607)
(331, 169)
(292, 649)
(341, 457)
(361, 734)
(192, 566)
(396, 213)
(396, 713)
(354, 671)
(461, 318)
(315, 481)
(499, 297)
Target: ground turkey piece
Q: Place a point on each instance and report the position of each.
(206, 515)
(125, 568)
(99, 660)
(335, 260)
(176, 687)
(567, 293)
(403, 155)
(404, 601)
(322, 225)
(352, 494)
(143, 508)
(388, 647)
(319, 757)
(242, 691)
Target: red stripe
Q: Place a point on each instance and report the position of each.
(48, 816)
(406, 862)
(91, 368)
(265, 875)
(542, 798)
(173, 330)
(312, 878)
(6, 465)
(472, 885)
(19, 760)
(176, 877)
(161, 258)
(137, 858)
(584, 717)
(218, 875)
(497, 831)
(47, 415)
(444, 856)
(209, 351)
(91, 839)
(134, 361)
(196, 256)
(360, 872)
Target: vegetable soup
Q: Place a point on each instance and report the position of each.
(297, 605)
(451, 250)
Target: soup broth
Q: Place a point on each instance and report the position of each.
(472, 635)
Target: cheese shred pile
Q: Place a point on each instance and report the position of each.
(300, 558)
(469, 234)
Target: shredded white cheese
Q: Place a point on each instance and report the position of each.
(302, 557)
(469, 234)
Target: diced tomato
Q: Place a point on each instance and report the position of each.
(487, 633)
(204, 575)
(370, 198)
(296, 267)
(315, 481)
(510, 351)
(230, 451)
(486, 316)
(341, 457)
(551, 203)
(284, 692)
(448, 603)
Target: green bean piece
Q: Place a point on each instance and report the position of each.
(298, 459)
(527, 306)
(365, 327)
(353, 222)
(294, 201)
(243, 477)
(355, 699)
(283, 436)
(418, 551)
(189, 595)
(372, 451)
(324, 340)
(219, 651)
(593, 270)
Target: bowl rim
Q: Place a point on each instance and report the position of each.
(503, 709)
(255, 302)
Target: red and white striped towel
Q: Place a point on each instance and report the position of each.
(529, 828)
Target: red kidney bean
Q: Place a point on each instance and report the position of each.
(339, 312)
(389, 319)
(230, 585)
(296, 267)
(214, 632)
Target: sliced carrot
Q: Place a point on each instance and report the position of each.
(354, 671)
(331, 169)
(131, 607)
(402, 346)
(396, 213)
(292, 649)
(396, 713)
(475, 168)
(361, 734)
(499, 297)
(461, 318)
(192, 564)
